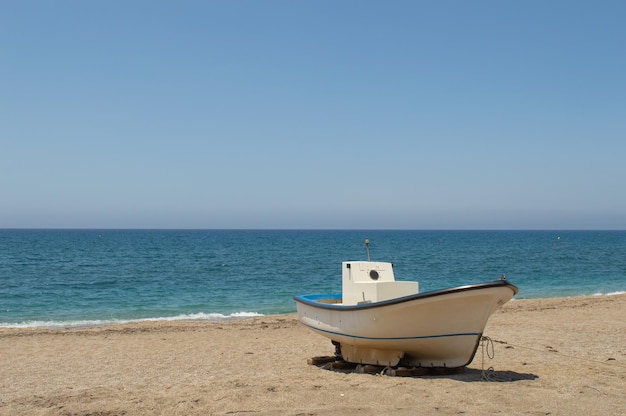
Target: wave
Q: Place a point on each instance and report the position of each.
(212, 317)
(610, 294)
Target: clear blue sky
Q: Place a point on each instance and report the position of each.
(313, 114)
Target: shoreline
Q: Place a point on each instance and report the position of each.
(212, 317)
(552, 356)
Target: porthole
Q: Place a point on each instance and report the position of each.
(374, 274)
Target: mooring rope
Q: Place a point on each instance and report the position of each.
(487, 347)
(610, 362)
(486, 344)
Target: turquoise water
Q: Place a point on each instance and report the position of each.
(85, 277)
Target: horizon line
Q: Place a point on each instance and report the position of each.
(294, 229)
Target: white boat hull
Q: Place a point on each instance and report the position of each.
(433, 329)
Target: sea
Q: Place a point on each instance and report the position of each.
(74, 278)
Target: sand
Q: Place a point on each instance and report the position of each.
(552, 357)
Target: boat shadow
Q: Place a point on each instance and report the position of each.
(463, 374)
(502, 376)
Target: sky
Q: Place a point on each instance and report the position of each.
(313, 114)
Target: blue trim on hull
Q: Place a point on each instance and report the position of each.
(469, 334)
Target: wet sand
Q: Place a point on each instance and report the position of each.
(552, 357)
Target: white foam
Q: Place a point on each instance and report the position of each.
(98, 322)
(610, 294)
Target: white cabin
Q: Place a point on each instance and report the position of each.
(370, 281)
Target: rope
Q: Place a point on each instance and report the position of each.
(612, 363)
(487, 346)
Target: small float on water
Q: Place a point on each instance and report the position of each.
(380, 321)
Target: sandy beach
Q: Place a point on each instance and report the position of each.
(551, 357)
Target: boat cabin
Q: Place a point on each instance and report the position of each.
(371, 281)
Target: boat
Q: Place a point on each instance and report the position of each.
(378, 320)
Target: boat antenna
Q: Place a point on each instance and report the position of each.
(367, 247)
